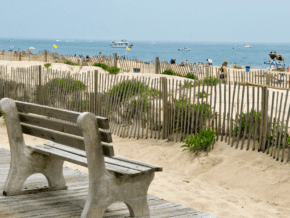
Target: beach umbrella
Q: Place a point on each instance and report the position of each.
(30, 48)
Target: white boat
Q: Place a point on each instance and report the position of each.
(122, 44)
(247, 46)
(184, 49)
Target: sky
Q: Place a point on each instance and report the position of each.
(261, 21)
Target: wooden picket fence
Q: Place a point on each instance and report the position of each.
(252, 117)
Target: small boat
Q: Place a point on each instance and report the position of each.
(122, 44)
(247, 46)
(184, 49)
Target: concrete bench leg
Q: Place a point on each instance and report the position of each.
(138, 207)
(27, 165)
(24, 163)
(105, 188)
(110, 189)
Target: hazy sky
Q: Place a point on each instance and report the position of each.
(154, 20)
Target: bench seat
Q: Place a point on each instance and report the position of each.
(118, 166)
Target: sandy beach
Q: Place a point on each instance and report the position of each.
(226, 182)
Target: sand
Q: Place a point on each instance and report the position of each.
(226, 182)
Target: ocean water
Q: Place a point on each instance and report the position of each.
(147, 51)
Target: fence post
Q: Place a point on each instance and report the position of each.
(207, 71)
(265, 109)
(39, 85)
(45, 56)
(115, 59)
(157, 65)
(96, 92)
(268, 78)
(165, 113)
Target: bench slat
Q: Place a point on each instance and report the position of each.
(130, 165)
(60, 126)
(157, 169)
(69, 140)
(76, 159)
(57, 113)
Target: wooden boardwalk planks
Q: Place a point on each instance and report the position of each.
(70, 202)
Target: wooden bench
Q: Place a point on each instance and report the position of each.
(111, 178)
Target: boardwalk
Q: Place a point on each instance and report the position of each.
(70, 203)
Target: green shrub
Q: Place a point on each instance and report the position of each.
(188, 75)
(170, 72)
(187, 84)
(70, 63)
(191, 76)
(257, 116)
(111, 70)
(84, 104)
(202, 94)
(144, 102)
(185, 114)
(242, 119)
(65, 84)
(211, 80)
(274, 140)
(104, 66)
(201, 142)
(127, 89)
(47, 65)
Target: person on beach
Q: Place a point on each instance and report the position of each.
(209, 62)
(186, 62)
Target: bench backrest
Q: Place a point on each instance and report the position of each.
(58, 131)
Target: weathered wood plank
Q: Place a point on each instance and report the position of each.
(131, 164)
(76, 159)
(62, 138)
(57, 113)
(60, 126)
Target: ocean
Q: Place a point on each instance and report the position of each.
(148, 50)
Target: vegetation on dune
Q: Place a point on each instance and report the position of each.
(65, 84)
(47, 65)
(244, 128)
(211, 81)
(111, 70)
(201, 142)
(70, 63)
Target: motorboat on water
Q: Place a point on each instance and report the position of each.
(122, 44)
(184, 49)
(247, 46)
